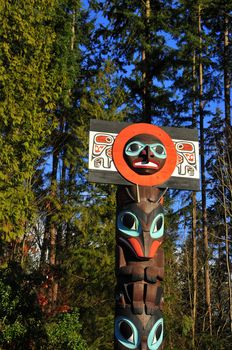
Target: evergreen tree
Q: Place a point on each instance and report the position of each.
(29, 91)
(136, 33)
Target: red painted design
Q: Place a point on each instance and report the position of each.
(190, 158)
(109, 152)
(179, 159)
(155, 245)
(185, 147)
(104, 139)
(137, 247)
(98, 149)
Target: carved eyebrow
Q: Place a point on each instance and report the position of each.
(140, 214)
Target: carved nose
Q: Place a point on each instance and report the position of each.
(146, 243)
(144, 345)
(146, 154)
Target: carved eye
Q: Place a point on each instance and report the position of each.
(134, 148)
(126, 333)
(159, 150)
(128, 223)
(157, 226)
(155, 337)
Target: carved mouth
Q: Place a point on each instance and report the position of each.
(134, 245)
(138, 163)
(136, 248)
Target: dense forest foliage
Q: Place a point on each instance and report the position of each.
(62, 63)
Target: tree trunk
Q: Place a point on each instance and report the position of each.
(52, 261)
(147, 67)
(226, 158)
(226, 163)
(203, 182)
(194, 262)
(227, 68)
(53, 234)
(48, 251)
(194, 222)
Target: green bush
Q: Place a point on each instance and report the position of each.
(64, 332)
(21, 321)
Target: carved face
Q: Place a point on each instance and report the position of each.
(138, 332)
(145, 154)
(141, 228)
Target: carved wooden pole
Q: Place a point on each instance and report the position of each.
(142, 159)
(139, 268)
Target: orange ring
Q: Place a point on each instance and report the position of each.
(144, 180)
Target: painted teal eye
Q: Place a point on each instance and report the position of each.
(126, 333)
(157, 226)
(156, 334)
(159, 150)
(128, 223)
(134, 148)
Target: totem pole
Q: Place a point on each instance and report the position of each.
(144, 160)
